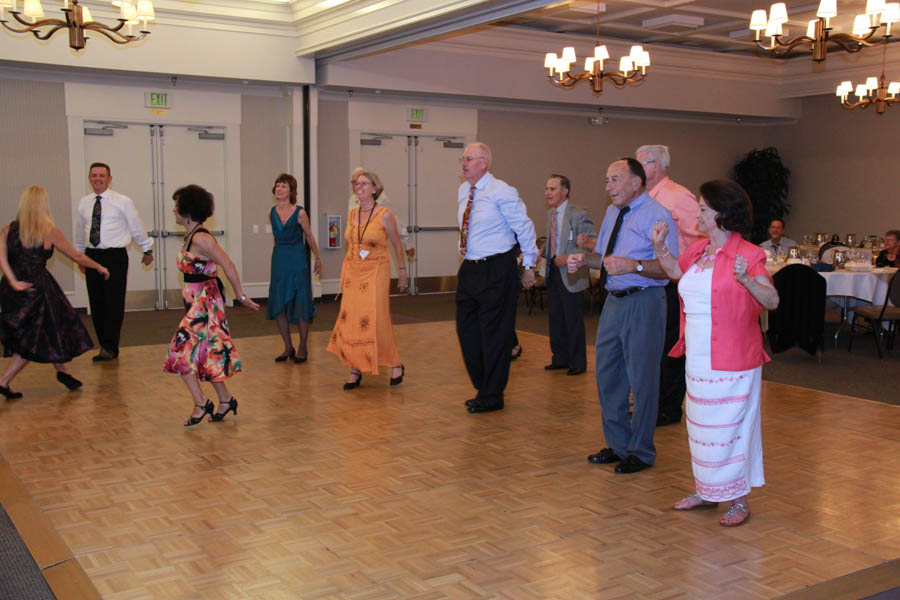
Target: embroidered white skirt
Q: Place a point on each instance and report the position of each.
(722, 407)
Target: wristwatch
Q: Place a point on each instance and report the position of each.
(640, 267)
(243, 298)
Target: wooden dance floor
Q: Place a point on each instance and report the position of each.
(312, 492)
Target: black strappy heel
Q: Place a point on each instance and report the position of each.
(232, 407)
(285, 356)
(350, 385)
(207, 408)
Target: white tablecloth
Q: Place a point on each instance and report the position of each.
(871, 287)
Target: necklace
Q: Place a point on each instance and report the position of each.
(360, 234)
(709, 257)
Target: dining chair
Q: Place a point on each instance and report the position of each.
(800, 317)
(878, 317)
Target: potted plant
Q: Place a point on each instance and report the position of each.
(765, 178)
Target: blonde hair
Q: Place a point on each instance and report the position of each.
(34, 217)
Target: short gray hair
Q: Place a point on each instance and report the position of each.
(658, 151)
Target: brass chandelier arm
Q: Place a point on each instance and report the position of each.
(615, 78)
(112, 33)
(33, 27)
(849, 42)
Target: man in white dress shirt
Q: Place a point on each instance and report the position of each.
(107, 222)
(492, 219)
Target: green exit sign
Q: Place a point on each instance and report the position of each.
(157, 100)
(415, 115)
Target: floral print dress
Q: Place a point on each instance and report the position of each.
(202, 344)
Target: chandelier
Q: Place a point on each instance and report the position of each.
(819, 31)
(873, 91)
(632, 68)
(77, 20)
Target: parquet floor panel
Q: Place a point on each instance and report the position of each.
(316, 493)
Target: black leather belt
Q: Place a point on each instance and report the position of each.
(626, 291)
(491, 257)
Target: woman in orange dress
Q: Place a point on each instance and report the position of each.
(363, 335)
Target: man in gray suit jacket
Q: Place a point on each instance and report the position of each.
(564, 289)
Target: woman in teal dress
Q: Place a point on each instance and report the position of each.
(290, 293)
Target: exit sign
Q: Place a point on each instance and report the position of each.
(157, 100)
(415, 115)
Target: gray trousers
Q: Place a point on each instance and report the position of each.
(630, 337)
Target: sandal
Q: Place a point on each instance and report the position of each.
(207, 408)
(694, 501)
(350, 385)
(231, 407)
(737, 514)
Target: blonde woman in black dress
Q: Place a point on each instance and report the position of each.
(37, 322)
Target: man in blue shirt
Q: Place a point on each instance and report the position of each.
(492, 218)
(632, 327)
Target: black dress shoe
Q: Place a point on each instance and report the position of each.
(471, 402)
(479, 406)
(285, 356)
(552, 367)
(9, 394)
(67, 380)
(576, 371)
(604, 457)
(632, 464)
(663, 419)
(105, 355)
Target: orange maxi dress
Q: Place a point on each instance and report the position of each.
(363, 335)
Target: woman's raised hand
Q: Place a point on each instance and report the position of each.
(658, 234)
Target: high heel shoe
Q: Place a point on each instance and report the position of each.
(351, 385)
(9, 394)
(285, 356)
(232, 407)
(207, 408)
(301, 359)
(399, 380)
(516, 352)
(67, 380)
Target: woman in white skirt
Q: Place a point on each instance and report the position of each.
(723, 285)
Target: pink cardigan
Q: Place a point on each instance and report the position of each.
(736, 343)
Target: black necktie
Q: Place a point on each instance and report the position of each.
(95, 224)
(612, 243)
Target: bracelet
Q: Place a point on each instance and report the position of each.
(667, 253)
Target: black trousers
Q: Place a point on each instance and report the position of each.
(486, 297)
(107, 296)
(566, 314)
(672, 386)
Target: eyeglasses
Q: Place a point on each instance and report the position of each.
(468, 159)
(648, 162)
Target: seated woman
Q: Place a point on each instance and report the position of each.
(890, 256)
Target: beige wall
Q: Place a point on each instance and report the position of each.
(34, 150)
(527, 148)
(334, 179)
(845, 169)
(264, 155)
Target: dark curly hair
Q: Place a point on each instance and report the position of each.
(195, 202)
(291, 181)
(731, 202)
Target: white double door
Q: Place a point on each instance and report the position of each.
(148, 162)
(421, 175)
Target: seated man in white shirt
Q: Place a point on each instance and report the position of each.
(777, 242)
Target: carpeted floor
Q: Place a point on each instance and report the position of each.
(859, 373)
(20, 577)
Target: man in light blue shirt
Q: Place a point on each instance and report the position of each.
(492, 218)
(632, 327)
(777, 242)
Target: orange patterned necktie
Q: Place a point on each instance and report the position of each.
(464, 230)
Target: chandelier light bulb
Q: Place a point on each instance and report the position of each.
(550, 60)
(86, 15)
(827, 9)
(872, 83)
(601, 53)
(626, 64)
(874, 7)
(778, 13)
(891, 13)
(758, 20)
(861, 25)
(34, 10)
(811, 28)
(861, 90)
(145, 11)
(568, 54)
(773, 29)
(894, 88)
(635, 53)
